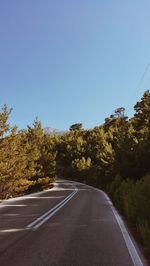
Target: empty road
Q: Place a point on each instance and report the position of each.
(70, 225)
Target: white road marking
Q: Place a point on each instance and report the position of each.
(129, 243)
(47, 215)
(12, 230)
(6, 202)
(12, 205)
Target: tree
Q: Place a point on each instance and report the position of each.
(119, 112)
(141, 125)
(27, 160)
(4, 116)
(141, 120)
(77, 126)
(16, 163)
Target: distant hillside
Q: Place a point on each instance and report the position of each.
(51, 130)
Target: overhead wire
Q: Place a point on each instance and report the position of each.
(142, 79)
(140, 85)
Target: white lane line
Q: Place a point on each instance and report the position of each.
(129, 243)
(47, 215)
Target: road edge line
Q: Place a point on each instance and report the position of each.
(128, 241)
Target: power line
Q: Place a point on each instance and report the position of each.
(142, 78)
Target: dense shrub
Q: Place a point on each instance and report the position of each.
(133, 200)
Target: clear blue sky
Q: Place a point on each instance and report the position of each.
(72, 61)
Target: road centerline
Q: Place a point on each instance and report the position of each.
(47, 215)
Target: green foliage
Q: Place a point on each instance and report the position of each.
(77, 126)
(4, 125)
(133, 200)
(25, 158)
(141, 119)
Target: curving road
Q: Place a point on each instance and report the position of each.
(70, 225)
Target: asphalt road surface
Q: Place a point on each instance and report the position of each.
(71, 225)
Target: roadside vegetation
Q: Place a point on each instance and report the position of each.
(27, 158)
(114, 156)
